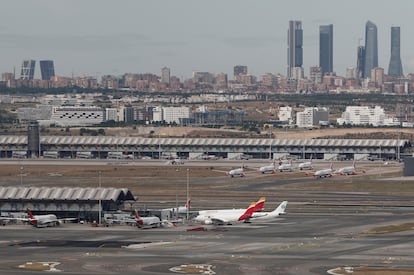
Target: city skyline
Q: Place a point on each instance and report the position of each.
(107, 38)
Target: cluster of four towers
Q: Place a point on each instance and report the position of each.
(367, 57)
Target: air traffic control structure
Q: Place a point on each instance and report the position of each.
(101, 147)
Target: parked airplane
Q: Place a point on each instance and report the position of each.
(266, 216)
(47, 220)
(181, 210)
(236, 172)
(306, 165)
(268, 168)
(286, 167)
(147, 222)
(229, 216)
(323, 173)
(349, 170)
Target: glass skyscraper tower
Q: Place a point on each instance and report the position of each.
(371, 49)
(326, 48)
(295, 43)
(47, 69)
(395, 67)
(28, 69)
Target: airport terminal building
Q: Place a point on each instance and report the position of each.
(102, 147)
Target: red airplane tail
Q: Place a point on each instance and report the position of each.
(32, 219)
(187, 205)
(259, 206)
(248, 213)
(138, 219)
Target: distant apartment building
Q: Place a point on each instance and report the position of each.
(312, 116)
(203, 77)
(166, 76)
(269, 80)
(239, 70)
(111, 114)
(221, 81)
(377, 76)
(286, 114)
(316, 75)
(365, 115)
(175, 114)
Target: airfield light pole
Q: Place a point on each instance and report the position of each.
(21, 175)
(100, 203)
(188, 185)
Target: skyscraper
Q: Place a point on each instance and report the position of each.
(371, 48)
(47, 69)
(28, 67)
(295, 43)
(326, 48)
(360, 61)
(395, 67)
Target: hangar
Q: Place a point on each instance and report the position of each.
(84, 203)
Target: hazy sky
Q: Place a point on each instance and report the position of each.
(96, 37)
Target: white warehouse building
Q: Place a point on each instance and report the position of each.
(365, 115)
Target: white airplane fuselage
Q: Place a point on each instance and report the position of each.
(44, 220)
(267, 169)
(285, 167)
(220, 216)
(305, 165)
(236, 172)
(350, 170)
(323, 173)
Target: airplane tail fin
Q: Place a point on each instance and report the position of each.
(260, 204)
(331, 166)
(29, 212)
(138, 219)
(248, 213)
(187, 205)
(280, 210)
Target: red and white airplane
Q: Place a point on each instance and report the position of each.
(239, 172)
(323, 173)
(147, 222)
(348, 170)
(47, 220)
(229, 216)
